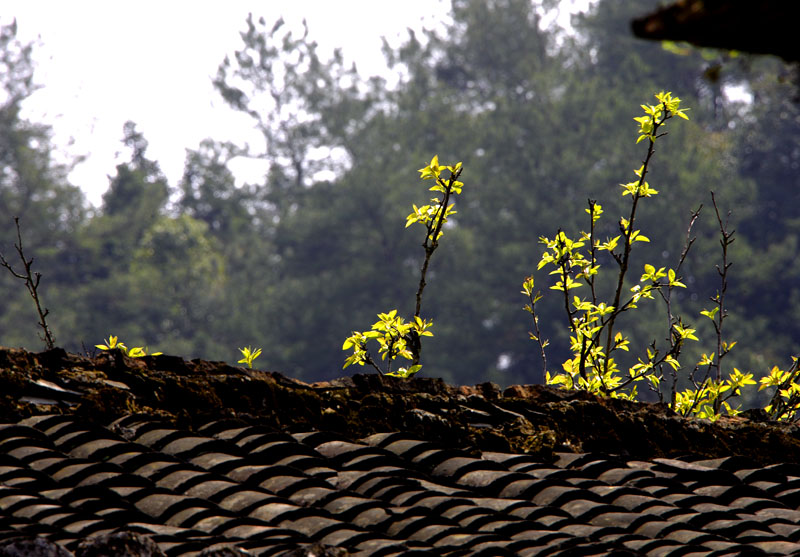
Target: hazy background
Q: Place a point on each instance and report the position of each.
(100, 64)
(195, 205)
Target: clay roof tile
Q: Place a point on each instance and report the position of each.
(191, 484)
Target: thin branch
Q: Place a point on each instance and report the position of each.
(623, 261)
(675, 347)
(536, 334)
(32, 284)
(432, 238)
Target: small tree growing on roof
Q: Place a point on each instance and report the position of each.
(396, 337)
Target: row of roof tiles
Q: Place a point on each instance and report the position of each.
(233, 484)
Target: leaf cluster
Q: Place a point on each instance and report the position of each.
(785, 403)
(575, 262)
(395, 338)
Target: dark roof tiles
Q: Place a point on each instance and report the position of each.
(238, 483)
(220, 463)
(407, 448)
(585, 509)
(188, 447)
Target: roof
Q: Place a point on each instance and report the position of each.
(761, 27)
(170, 457)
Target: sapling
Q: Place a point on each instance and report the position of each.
(594, 337)
(396, 337)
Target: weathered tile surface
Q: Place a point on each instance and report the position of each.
(159, 480)
(385, 494)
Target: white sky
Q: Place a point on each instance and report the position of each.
(101, 63)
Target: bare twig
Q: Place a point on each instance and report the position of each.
(667, 297)
(32, 284)
(718, 319)
(726, 240)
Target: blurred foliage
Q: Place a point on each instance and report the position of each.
(541, 120)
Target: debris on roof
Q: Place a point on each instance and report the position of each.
(163, 456)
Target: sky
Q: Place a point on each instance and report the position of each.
(101, 63)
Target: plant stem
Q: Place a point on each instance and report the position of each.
(676, 347)
(623, 260)
(32, 284)
(537, 332)
(432, 238)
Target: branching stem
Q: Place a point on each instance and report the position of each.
(627, 235)
(32, 284)
(432, 238)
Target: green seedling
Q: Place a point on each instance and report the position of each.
(249, 355)
(112, 343)
(395, 338)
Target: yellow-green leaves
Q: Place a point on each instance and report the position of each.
(594, 340)
(434, 172)
(711, 397)
(595, 210)
(248, 355)
(785, 403)
(429, 215)
(395, 338)
(672, 104)
(650, 273)
(565, 256)
(635, 235)
(576, 261)
(776, 377)
(684, 333)
(595, 380)
(434, 215)
(112, 343)
(656, 115)
(710, 313)
(673, 281)
(567, 284)
(405, 373)
(608, 245)
(737, 379)
(640, 187)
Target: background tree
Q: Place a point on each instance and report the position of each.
(33, 187)
(294, 261)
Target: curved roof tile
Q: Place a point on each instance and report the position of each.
(193, 483)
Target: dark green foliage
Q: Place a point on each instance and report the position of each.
(292, 262)
(33, 188)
